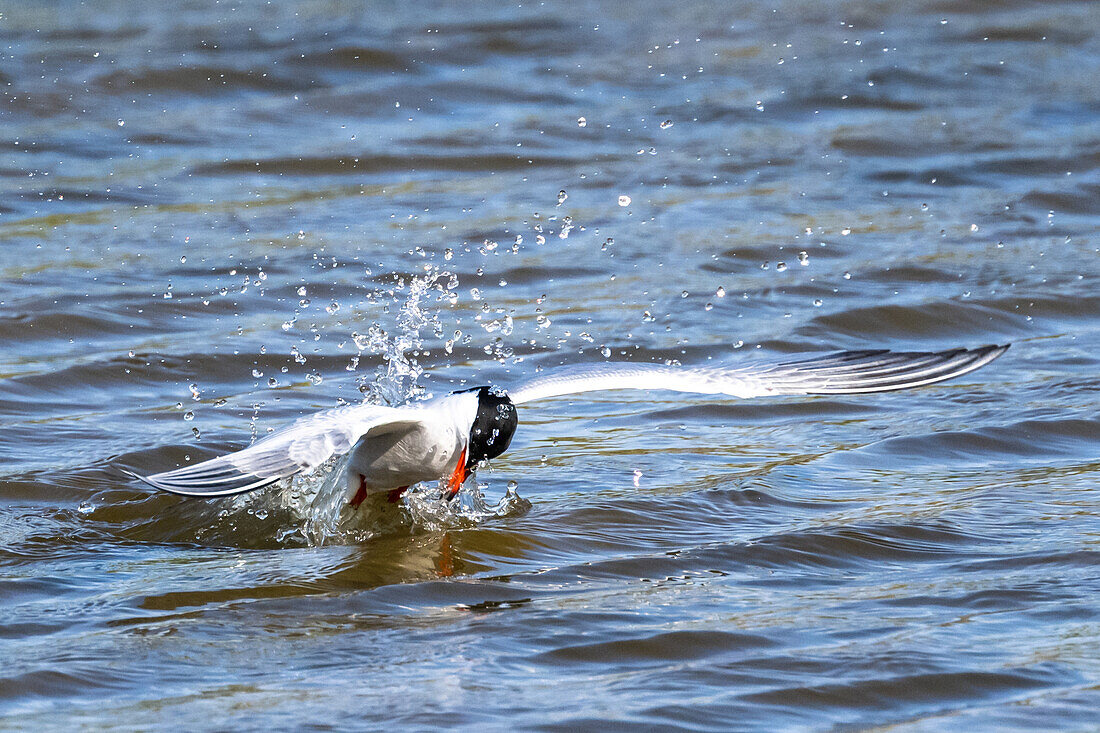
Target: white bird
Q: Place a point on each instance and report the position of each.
(393, 448)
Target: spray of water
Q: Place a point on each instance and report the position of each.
(312, 508)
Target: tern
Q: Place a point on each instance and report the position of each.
(449, 437)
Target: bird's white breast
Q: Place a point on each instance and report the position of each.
(427, 451)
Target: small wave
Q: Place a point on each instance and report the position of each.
(380, 163)
(363, 58)
(944, 320)
(201, 80)
(1083, 199)
(1024, 443)
(658, 648)
(891, 693)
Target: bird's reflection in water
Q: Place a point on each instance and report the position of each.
(445, 561)
(395, 560)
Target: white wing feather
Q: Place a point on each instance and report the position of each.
(846, 372)
(301, 446)
(311, 440)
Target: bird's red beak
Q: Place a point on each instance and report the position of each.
(461, 473)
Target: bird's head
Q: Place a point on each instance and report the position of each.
(494, 425)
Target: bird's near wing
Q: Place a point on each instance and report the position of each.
(846, 372)
(301, 446)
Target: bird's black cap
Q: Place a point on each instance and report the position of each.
(493, 427)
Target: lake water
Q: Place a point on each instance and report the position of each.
(215, 217)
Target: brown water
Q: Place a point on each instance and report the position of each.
(218, 216)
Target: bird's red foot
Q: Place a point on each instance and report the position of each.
(360, 495)
(393, 496)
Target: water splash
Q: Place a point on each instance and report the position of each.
(395, 381)
(312, 509)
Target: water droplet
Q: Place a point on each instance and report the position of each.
(188, 416)
(666, 124)
(562, 196)
(540, 239)
(183, 259)
(581, 121)
(566, 227)
(272, 382)
(194, 391)
(847, 275)
(261, 514)
(720, 292)
(759, 106)
(624, 200)
(817, 302)
(332, 307)
(256, 373)
(973, 227)
(845, 231)
(803, 259)
(301, 234)
(302, 291)
(448, 254)
(121, 123)
(607, 243)
(606, 351)
(708, 306)
(684, 294)
(780, 266)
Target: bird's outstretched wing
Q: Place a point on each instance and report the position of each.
(846, 372)
(301, 446)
